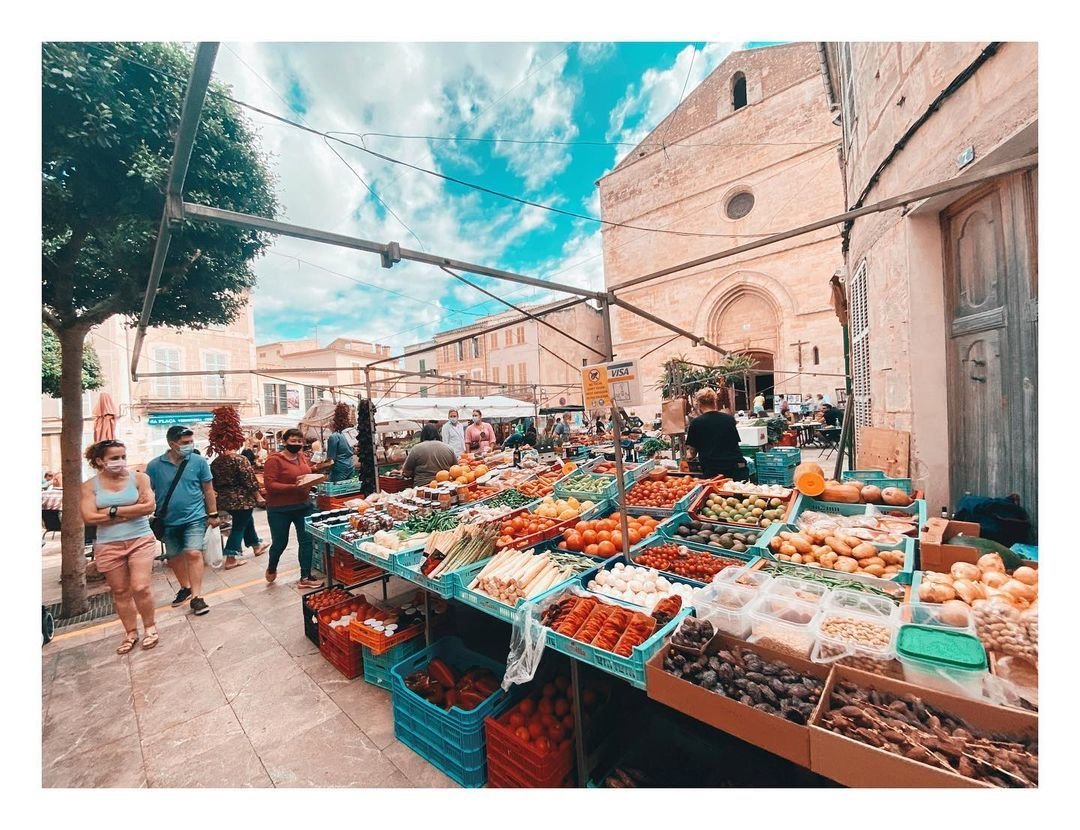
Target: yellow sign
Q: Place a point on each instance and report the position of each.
(611, 384)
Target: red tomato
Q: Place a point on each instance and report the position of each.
(603, 536)
(606, 549)
(616, 539)
(568, 723)
(562, 683)
(522, 733)
(516, 720)
(574, 541)
(547, 721)
(536, 729)
(562, 707)
(548, 690)
(589, 537)
(634, 536)
(542, 744)
(592, 550)
(556, 733)
(527, 706)
(545, 706)
(565, 745)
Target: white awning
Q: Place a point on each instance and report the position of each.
(435, 409)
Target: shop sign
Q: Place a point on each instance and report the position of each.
(168, 419)
(607, 384)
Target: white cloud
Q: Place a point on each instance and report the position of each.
(650, 101)
(595, 52)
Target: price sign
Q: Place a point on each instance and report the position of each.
(611, 384)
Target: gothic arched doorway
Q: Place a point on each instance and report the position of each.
(746, 321)
(759, 379)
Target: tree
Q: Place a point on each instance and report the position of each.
(50, 366)
(109, 116)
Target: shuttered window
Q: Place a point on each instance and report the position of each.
(860, 348)
(167, 360)
(214, 385)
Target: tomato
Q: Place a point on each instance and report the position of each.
(545, 706)
(562, 708)
(522, 733)
(592, 550)
(568, 723)
(527, 706)
(562, 546)
(556, 733)
(532, 527)
(574, 541)
(516, 720)
(616, 539)
(581, 527)
(547, 721)
(606, 549)
(565, 745)
(562, 683)
(536, 729)
(633, 536)
(542, 745)
(518, 523)
(588, 698)
(548, 690)
(589, 537)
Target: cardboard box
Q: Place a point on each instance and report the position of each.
(770, 732)
(935, 555)
(856, 764)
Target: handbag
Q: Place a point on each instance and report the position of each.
(157, 523)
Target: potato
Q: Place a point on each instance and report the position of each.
(864, 550)
(799, 543)
(873, 570)
(828, 559)
(787, 548)
(838, 546)
(872, 560)
(797, 558)
(846, 564)
(892, 557)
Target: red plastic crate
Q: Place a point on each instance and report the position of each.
(523, 763)
(337, 646)
(347, 569)
(501, 776)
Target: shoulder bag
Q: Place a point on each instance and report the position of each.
(157, 523)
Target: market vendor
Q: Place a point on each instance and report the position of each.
(428, 458)
(338, 450)
(479, 436)
(715, 439)
(517, 439)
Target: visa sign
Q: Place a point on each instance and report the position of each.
(611, 384)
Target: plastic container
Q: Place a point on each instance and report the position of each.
(377, 666)
(874, 613)
(945, 659)
(917, 510)
(941, 616)
(726, 605)
(783, 624)
(748, 576)
(877, 478)
(812, 593)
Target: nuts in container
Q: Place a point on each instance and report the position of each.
(858, 641)
(783, 624)
(1004, 629)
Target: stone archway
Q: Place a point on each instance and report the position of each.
(746, 319)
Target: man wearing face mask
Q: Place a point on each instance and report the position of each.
(453, 433)
(187, 513)
(288, 479)
(479, 437)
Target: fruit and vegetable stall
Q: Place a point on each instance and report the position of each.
(840, 631)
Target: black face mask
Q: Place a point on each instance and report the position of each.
(294, 447)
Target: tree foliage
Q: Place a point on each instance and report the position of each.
(681, 378)
(50, 366)
(107, 139)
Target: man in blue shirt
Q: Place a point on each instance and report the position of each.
(339, 452)
(191, 509)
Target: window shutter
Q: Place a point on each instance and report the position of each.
(860, 348)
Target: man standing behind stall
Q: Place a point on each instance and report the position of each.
(715, 438)
(453, 433)
(190, 509)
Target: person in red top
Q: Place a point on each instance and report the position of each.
(287, 504)
(479, 436)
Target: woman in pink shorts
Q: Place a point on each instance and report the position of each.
(119, 503)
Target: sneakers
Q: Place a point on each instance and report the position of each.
(199, 606)
(182, 596)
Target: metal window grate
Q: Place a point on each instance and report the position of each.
(860, 347)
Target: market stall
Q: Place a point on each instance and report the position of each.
(494, 407)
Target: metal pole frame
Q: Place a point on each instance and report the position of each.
(190, 116)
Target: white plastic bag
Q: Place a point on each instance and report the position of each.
(526, 646)
(212, 552)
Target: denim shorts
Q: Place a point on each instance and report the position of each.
(180, 538)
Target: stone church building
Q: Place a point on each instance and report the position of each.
(752, 151)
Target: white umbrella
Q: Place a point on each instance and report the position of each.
(397, 426)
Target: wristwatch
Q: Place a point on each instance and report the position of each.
(112, 511)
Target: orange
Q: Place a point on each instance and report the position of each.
(456, 471)
(593, 550)
(442, 475)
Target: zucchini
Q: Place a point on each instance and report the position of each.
(1010, 558)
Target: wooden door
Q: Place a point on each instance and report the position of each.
(992, 296)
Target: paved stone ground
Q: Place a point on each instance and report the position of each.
(237, 698)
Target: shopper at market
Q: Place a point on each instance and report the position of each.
(781, 406)
(831, 415)
(562, 430)
(237, 493)
(119, 502)
(287, 505)
(759, 404)
(188, 512)
(248, 452)
(338, 449)
(479, 436)
(453, 433)
(428, 457)
(715, 439)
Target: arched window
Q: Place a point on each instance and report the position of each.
(816, 356)
(738, 91)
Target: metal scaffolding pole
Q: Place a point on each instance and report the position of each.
(652, 318)
(391, 252)
(190, 115)
(959, 183)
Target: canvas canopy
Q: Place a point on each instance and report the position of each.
(494, 407)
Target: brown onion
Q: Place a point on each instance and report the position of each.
(991, 562)
(1029, 576)
(964, 570)
(994, 579)
(1018, 590)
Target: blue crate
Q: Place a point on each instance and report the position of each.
(630, 477)
(340, 488)
(632, 668)
(470, 776)
(457, 726)
(610, 490)
(377, 666)
(877, 478)
(804, 503)
(784, 478)
(681, 506)
(408, 568)
(907, 546)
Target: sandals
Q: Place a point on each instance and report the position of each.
(151, 638)
(232, 562)
(259, 550)
(129, 642)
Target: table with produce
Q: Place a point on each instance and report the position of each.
(802, 625)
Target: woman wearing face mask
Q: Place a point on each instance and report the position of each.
(453, 433)
(287, 505)
(119, 503)
(479, 437)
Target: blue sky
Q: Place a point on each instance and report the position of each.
(545, 92)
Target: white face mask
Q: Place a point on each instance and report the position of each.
(476, 419)
(116, 465)
(453, 420)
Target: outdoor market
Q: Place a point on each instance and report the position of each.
(671, 558)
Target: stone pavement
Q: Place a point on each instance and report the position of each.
(237, 698)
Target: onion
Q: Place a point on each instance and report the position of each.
(955, 612)
(991, 562)
(966, 590)
(941, 579)
(1018, 590)
(964, 570)
(1029, 576)
(994, 579)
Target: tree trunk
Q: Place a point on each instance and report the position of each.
(73, 562)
